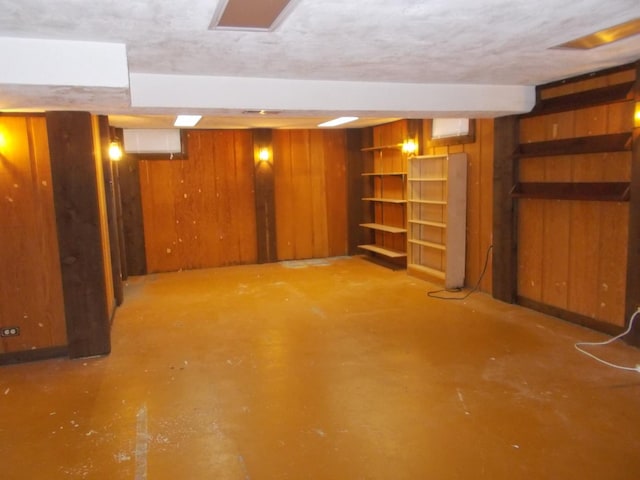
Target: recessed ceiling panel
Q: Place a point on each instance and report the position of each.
(604, 37)
(249, 14)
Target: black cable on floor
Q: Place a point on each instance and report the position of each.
(434, 293)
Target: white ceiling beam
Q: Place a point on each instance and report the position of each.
(29, 61)
(242, 93)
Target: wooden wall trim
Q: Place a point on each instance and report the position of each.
(75, 190)
(355, 141)
(569, 316)
(112, 217)
(265, 198)
(33, 355)
(632, 299)
(587, 76)
(504, 259)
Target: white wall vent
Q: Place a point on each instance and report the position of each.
(152, 140)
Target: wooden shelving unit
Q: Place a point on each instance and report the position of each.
(385, 178)
(436, 225)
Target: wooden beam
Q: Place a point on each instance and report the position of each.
(75, 190)
(632, 300)
(504, 256)
(265, 197)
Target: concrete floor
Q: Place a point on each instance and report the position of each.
(337, 369)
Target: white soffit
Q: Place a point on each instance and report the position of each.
(202, 92)
(63, 62)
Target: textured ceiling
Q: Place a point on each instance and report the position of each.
(452, 42)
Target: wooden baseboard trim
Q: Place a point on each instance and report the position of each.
(24, 356)
(571, 317)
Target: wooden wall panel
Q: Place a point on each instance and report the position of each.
(200, 212)
(31, 284)
(479, 198)
(571, 254)
(310, 193)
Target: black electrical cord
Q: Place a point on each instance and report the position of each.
(435, 293)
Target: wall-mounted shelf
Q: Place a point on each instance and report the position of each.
(387, 252)
(589, 191)
(615, 142)
(600, 96)
(384, 174)
(384, 228)
(384, 200)
(382, 147)
(384, 180)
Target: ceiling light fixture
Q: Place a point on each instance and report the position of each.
(338, 121)
(604, 37)
(187, 120)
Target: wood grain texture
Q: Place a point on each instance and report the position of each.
(82, 238)
(200, 212)
(310, 193)
(571, 253)
(31, 283)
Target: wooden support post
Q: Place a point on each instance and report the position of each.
(130, 215)
(112, 218)
(504, 212)
(265, 196)
(632, 302)
(76, 198)
(355, 168)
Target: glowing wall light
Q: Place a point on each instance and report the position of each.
(115, 151)
(409, 147)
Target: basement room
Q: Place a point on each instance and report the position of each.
(291, 239)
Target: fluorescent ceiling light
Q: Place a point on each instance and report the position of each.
(338, 121)
(187, 120)
(604, 37)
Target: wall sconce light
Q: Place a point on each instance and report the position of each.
(115, 151)
(263, 155)
(636, 116)
(409, 147)
(3, 141)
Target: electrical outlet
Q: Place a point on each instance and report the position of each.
(9, 331)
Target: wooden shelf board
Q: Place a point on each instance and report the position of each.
(428, 223)
(588, 191)
(615, 142)
(387, 252)
(384, 200)
(426, 270)
(427, 157)
(590, 98)
(436, 246)
(384, 228)
(429, 202)
(382, 147)
(384, 174)
(433, 179)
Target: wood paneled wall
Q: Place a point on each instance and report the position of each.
(479, 198)
(200, 212)
(572, 254)
(30, 280)
(310, 193)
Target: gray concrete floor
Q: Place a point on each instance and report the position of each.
(337, 369)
